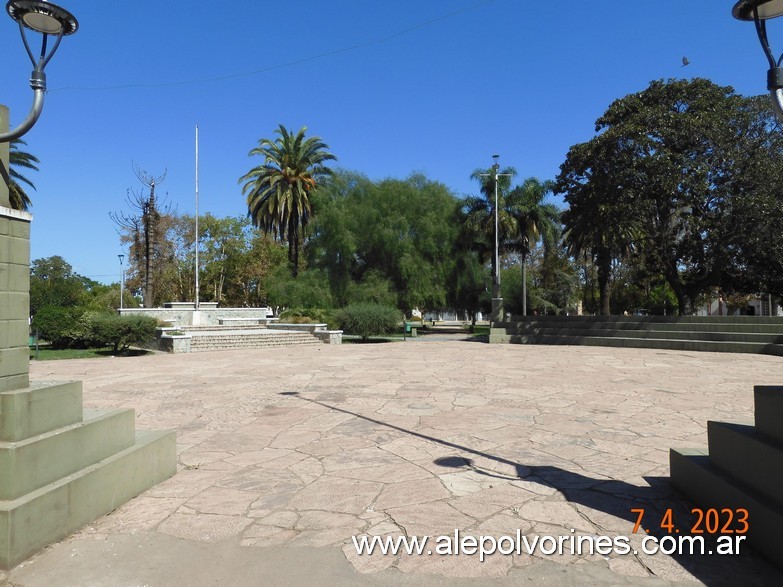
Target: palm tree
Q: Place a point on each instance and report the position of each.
(278, 190)
(535, 220)
(480, 212)
(18, 197)
(594, 228)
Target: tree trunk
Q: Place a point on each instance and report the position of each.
(524, 285)
(604, 265)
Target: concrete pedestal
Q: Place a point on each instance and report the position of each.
(497, 311)
(60, 468)
(743, 469)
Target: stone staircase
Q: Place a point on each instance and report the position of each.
(742, 469)
(735, 334)
(62, 467)
(215, 339)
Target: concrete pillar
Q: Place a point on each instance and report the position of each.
(4, 126)
(59, 469)
(14, 282)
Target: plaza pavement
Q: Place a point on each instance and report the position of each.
(286, 453)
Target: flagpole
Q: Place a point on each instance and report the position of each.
(197, 264)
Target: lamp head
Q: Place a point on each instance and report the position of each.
(43, 17)
(764, 9)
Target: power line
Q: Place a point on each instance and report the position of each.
(281, 65)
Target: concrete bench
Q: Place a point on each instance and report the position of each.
(412, 329)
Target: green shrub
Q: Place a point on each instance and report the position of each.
(62, 327)
(120, 332)
(373, 289)
(367, 320)
(309, 316)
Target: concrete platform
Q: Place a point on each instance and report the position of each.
(285, 454)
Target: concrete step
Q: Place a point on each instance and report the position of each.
(50, 513)
(40, 408)
(740, 452)
(222, 328)
(696, 320)
(500, 336)
(716, 336)
(769, 411)
(708, 487)
(574, 323)
(227, 341)
(37, 461)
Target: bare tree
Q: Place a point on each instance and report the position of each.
(142, 229)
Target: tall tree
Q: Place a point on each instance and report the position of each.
(278, 190)
(144, 229)
(671, 171)
(535, 219)
(396, 231)
(600, 222)
(18, 196)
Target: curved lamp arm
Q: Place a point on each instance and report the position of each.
(32, 118)
(759, 11)
(37, 83)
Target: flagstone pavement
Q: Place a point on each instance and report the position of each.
(285, 454)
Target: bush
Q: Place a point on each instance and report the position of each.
(62, 327)
(120, 332)
(367, 320)
(72, 328)
(309, 316)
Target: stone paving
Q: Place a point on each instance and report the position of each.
(286, 453)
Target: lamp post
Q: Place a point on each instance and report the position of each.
(49, 20)
(497, 300)
(759, 11)
(122, 278)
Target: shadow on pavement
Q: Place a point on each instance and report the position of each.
(616, 498)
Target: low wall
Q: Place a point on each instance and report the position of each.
(329, 336)
(184, 314)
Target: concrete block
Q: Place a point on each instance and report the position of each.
(769, 410)
(739, 451)
(13, 383)
(708, 487)
(14, 361)
(14, 333)
(32, 463)
(49, 514)
(42, 407)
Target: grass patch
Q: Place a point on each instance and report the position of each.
(46, 353)
(480, 330)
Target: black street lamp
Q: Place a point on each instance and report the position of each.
(759, 11)
(49, 20)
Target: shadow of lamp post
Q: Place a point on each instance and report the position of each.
(60, 468)
(741, 471)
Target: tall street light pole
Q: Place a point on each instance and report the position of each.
(122, 278)
(50, 21)
(497, 300)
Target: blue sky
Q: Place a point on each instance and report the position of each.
(435, 86)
